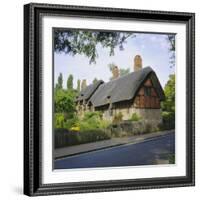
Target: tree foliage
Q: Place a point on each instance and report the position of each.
(171, 40)
(78, 85)
(169, 90)
(70, 82)
(122, 71)
(168, 105)
(59, 84)
(95, 80)
(85, 42)
(64, 102)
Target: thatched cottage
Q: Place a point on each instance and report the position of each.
(138, 92)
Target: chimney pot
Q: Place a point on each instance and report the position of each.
(115, 72)
(137, 63)
(83, 84)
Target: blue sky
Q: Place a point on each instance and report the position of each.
(153, 48)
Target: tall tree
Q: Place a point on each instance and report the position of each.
(171, 40)
(78, 85)
(59, 84)
(95, 80)
(123, 71)
(70, 82)
(64, 101)
(169, 103)
(85, 42)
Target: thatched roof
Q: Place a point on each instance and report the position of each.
(86, 93)
(124, 88)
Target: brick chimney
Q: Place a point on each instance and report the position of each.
(83, 84)
(115, 72)
(137, 63)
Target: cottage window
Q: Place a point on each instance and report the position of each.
(147, 91)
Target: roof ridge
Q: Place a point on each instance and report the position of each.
(120, 77)
(120, 89)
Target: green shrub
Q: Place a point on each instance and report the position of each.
(74, 121)
(95, 114)
(93, 121)
(90, 121)
(91, 128)
(64, 137)
(135, 117)
(117, 118)
(168, 121)
(59, 120)
(64, 101)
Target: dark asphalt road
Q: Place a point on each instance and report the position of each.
(144, 153)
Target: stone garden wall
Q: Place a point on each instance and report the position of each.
(150, 115)
(129, 128)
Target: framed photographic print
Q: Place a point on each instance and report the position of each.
(108, 99)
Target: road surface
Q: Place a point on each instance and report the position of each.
(145, 153)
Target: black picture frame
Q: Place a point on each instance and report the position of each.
(33, 185)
